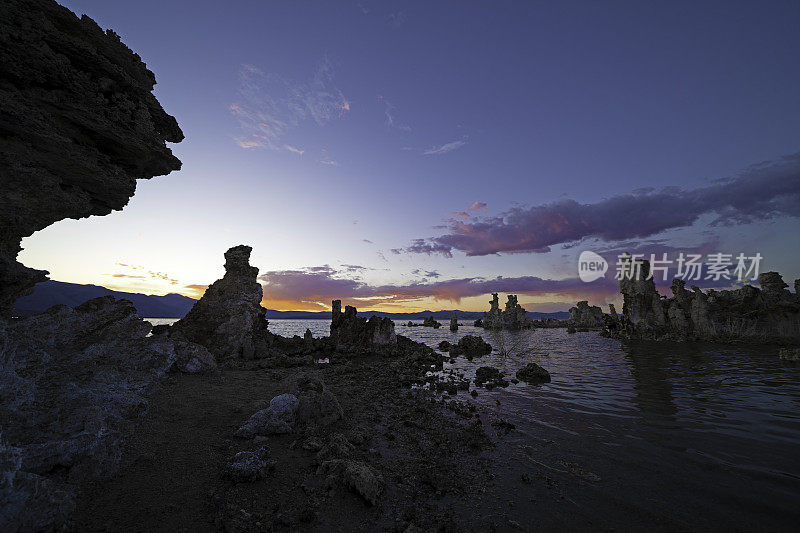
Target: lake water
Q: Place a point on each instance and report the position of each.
(700, 436)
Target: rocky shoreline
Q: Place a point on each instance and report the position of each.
(766, 315)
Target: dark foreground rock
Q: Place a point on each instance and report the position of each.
(72, 381)
(79, 126)
(396, 453)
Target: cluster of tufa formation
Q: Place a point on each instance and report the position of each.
(586, 316)
(78, 126)
(513, 317)
(351, 331)
(768, 314)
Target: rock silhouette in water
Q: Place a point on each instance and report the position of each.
(454, 322)
(229, 320)
(79, 126)
(769, 314)
(513, 317)
(351, 331)
(585, 316)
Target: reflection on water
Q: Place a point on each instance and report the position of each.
(679, 424)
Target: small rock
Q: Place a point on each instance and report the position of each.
(250, 466)
(337, 447)
(278, 418)
(358, 476)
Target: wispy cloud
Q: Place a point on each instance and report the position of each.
(143, 273)
(446, 148)
(425, 273)
(329, 162)
(760, 192)
(389, 113)
(396, 19)
(476, 206)
(269, 106)
(293, 149)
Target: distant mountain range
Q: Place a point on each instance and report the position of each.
(438, 315)
(49, 293)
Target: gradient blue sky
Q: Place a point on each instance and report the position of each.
(407, 112)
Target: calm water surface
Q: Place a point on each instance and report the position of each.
(697, 436)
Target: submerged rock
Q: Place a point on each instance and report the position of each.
(533, 373)
(789, 354)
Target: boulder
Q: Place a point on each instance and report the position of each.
(489, 377)
(317, 405)
(470, 346)
(337, 447)
(454, 322)
(276, 419)
(191, 358)
(533, 373)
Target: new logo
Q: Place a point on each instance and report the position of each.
(591, 266)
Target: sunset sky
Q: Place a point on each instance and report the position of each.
(420, 155)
